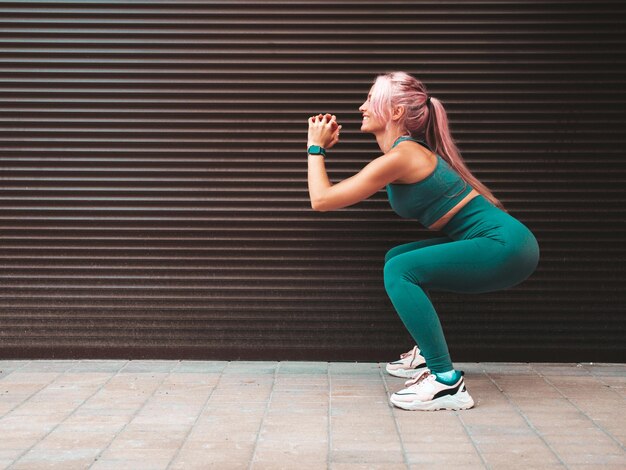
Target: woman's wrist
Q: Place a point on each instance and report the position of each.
(314, 149)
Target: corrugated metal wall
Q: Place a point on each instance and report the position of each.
(153, 190)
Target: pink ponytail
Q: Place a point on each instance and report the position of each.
(423, 121)
(438, 136)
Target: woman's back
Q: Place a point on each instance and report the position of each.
(431, 198)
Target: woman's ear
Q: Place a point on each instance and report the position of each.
(398, 112)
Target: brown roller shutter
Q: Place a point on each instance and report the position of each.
(153, 192)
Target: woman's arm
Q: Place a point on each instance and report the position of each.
(373, 177)
(324, 131)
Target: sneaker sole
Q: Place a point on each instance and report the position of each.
(405, 373)
(459, 401)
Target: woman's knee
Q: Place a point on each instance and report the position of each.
(392, 253)
(396, 271)
(391, 273)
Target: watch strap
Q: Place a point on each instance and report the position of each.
(316, 150)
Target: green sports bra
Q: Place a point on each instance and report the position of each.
(431, 198)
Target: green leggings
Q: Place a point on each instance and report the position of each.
(485, 250)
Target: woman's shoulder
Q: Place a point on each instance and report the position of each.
(417, 160)
(410, 149)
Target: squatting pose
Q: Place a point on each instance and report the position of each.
(485, 249)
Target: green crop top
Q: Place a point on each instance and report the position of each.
(430, 198)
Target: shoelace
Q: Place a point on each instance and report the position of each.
(419, 378)
(411, 352)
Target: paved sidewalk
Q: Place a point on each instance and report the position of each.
(303, 415)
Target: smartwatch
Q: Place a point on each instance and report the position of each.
(316, 150)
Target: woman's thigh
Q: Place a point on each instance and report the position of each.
(400, 249)
(475, 266)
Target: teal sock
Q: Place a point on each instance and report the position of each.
(448, 377)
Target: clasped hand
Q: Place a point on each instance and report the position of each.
(323, 130)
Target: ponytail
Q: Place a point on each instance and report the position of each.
(425, 118)
(438, 136)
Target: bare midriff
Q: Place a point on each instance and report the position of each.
(451, 213)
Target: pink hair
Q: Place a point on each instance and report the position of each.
(424, 122)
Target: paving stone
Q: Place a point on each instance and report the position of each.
(600, 460)
(357, 390)
(68, 456)
(595, 467)
(383, 442)
(252, 368)
(61, 439)
(369, 466)
(366, 456)
(290, 405)
(12, 454)
(132, 450)
(6, 367)
(128, 464)
(354, 368)
(605, 369)
(440, 447)
(279, 454)
(199, 367)
(303, 396)
(303, 367)
(220, 414)
(203, 439)
(67, 464)
(507, 368)
(205, 429)
(98, 366)
(149, 366)
(203, 460)
(314, 430)
(29, 378)
(48, 366)
(560, 370)
(448, 459)
(515, 446)
(521, 460)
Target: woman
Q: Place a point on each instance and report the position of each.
(485, 249)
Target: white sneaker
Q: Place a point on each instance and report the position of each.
(411, 363)
(425, 393)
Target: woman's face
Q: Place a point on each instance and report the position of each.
(369, 123)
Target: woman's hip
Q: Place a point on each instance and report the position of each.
(514, 249)
(480, 218)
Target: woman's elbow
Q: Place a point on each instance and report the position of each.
(318, 206)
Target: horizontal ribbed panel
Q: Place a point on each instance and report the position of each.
(153, 192)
